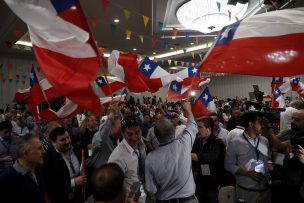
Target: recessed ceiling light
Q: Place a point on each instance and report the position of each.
(154, 52)
(192, 43)
(171, 48)
(116, 20)
(128, 38)
(173, 37)
(134, 49)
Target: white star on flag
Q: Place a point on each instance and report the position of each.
(32, 76)
(174, 87)
(277, 92)
(99, 81)
(225, 33)
(206, 97)
(194, 70)
(147, 67)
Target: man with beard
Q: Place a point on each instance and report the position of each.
(62, 169)
(292, 172)
(7, 145)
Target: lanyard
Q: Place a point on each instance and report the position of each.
(7, 146)
(257, 152)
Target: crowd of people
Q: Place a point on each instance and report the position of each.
(154, 151)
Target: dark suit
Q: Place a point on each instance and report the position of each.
(57, 177)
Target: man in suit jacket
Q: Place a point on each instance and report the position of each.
(62, 169)
(107, 138)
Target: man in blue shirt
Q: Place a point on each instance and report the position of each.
(172, 181)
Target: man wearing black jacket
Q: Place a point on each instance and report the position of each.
(62, 169)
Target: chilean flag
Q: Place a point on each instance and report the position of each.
(300, 90)
(278, 99)
(24, 95)
(125, 67)
(268, 44)
(63, 46)
(178, 91)
(68, 110)
(203, 104)
(191, 77)
(36, 96)
(283, 83)
(294, 83)
(113, 85)
(154, 76)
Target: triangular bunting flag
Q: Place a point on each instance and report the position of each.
(128, 34)
(94, 21)
(182, 63)
(196, 40)
(127, 13)
(184, 50)
(146, 20)
(141, 37)
(174, 31)
(153, 41)
(169, 62)
(113, 28)
(187, 35)
(175, 63)
(160, 26)
(192, 54)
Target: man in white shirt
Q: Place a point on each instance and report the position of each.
(130, 154)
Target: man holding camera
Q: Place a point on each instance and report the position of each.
(247, 157)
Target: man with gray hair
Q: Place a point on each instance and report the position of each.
(23, 182)
(173, 180)
(107, 138)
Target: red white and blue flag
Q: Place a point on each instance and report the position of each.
(113, 86)
(204, 104)
(283, 83)
(192, 78)
(268, 44)
(125, 67)
(154, 76)
(64, 47)
(178, 91)
(278, 99)
(36, 96)
(295, 83)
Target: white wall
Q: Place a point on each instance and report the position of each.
(19, 67)
(230, 86)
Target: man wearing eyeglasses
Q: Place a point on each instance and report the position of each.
(130, 154)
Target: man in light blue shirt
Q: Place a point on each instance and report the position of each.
(247, 157)
(168, 169)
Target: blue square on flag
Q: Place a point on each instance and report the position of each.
(192, 71)
(277, 93)
(227, 34)
(101, 81)
(33, 77)
(206, 97)
(277, 79)
(147, 67)
(176, 87)
(61, 6)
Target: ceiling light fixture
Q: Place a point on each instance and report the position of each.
(171, 48)
(173, 37)
(134, 49)
(209, 15)
(192, 43)
(154, 53)
(116, 20)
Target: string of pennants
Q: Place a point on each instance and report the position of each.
(10, 73)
